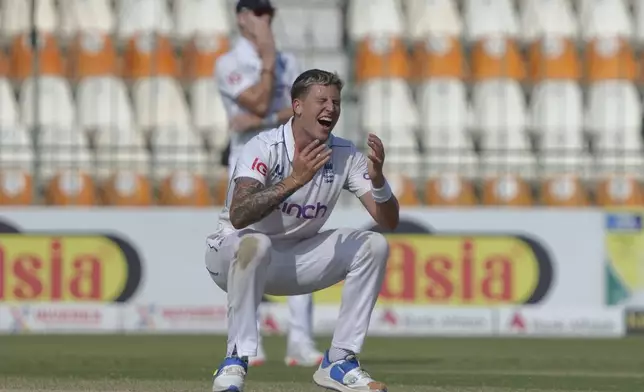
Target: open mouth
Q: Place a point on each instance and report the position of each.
(326, 122)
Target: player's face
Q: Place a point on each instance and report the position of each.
(320, 111)
(248, 19)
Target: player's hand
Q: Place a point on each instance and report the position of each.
(307, 162)
(264, 39)
(376, 159)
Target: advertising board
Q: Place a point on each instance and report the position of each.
(145, 257)
(521, 321)
(451, 258)
(432, 321)
(50, 317)
(400, 320)
(624, 267)
(71, 267)
(634, 319)
(538, 321)
(488, 257)
(173, 318)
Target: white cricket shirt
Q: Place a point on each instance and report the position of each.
(240, 69)
(268, 158)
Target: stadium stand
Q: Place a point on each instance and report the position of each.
(499, 103)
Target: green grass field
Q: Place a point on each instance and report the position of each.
(184, 363)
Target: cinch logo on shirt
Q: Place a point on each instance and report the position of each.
(259, 167)
(309, 211)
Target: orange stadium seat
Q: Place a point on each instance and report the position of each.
(384, 57)
(92, 54)
(149, 55)
(563, 191)
(447, 190)
(405, 190)
(619, 191)
(610, 58)
(16, 187)
(50, 60)
(184, 189)
(221, 191)
(126, 189)
(200, 55)
(438, 57)
(4, 65)
(507, 191)
(497, 57)
(553, 58)
(71, 188)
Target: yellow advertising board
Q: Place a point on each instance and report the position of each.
(624, 257)
(65, 268)
(431, 269)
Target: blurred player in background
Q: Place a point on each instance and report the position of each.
(255, 81)
(285, 185)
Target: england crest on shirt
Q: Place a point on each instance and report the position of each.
(328, 173)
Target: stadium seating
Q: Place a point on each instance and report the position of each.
(547, 19)
(16, 165)
(80, 16)
(92, 54)
(563, 191)
(486, 19)
(479, 102)
(604, 18)
(450, 190)
(17, 15)
(143, 17)
(438, 18)
(553, 58)
(22, 51)
(204, 18)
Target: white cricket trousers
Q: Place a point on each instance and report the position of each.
(300, 325)
(247, 265)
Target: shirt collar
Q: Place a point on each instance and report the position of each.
(289, 139)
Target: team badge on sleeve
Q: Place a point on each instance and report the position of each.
(234, 78)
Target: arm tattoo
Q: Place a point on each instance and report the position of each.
(252, 202)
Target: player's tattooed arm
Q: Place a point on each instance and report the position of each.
(253, 202)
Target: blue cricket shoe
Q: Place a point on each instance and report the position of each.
(230, 375)
(346, 375)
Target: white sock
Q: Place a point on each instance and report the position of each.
(338, 354)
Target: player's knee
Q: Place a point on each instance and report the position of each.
(378, 247)
(255, 246)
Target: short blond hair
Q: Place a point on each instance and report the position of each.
(313, 77)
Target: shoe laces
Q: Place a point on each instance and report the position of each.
(360, 372)
(233, 370)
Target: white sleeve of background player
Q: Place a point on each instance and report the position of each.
(254, 161)
(233, 79)
(358, 181)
